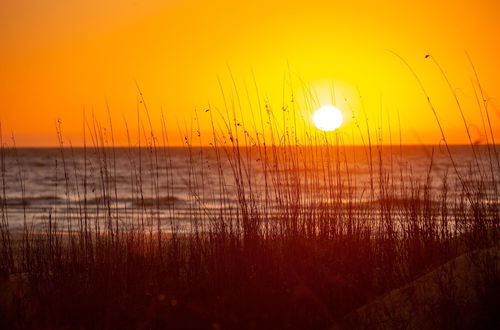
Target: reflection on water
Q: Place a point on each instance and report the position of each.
(176, 187)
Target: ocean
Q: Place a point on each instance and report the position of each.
(185, 189)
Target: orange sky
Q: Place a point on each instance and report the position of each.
(59, 57)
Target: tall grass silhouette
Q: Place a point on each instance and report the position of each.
(283, 226)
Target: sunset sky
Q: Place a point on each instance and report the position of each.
(58, 58)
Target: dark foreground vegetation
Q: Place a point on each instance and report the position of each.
(306, 244)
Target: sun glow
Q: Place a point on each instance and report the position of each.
(327, 118)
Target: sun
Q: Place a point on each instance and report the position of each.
(327, 118)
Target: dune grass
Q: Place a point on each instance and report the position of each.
(304, 231)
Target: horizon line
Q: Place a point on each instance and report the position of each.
(251, 146)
